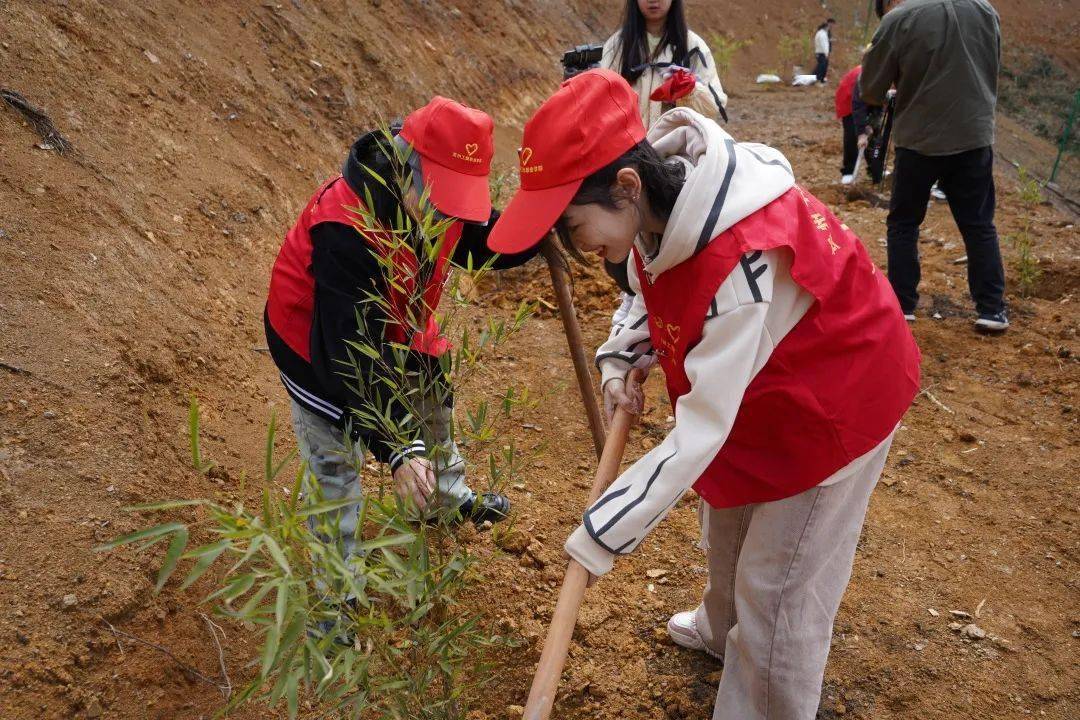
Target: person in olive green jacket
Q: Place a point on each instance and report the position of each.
(943, 57)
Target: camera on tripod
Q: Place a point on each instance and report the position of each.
(580, 59)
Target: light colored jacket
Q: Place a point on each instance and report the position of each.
(821, 42)
(708, 95)
(754, 308)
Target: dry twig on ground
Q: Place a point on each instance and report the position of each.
(42, 124)
(225, 690)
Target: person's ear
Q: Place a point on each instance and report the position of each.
(628, 184)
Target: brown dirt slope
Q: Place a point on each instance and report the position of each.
(133, 272)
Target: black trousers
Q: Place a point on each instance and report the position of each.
(822, 66)
(967, 179)
(851, 146)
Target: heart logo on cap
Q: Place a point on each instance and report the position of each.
(471, 148)
(524, 155)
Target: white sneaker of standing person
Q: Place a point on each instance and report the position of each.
(937, 193)
(847, 179)
(682, 627)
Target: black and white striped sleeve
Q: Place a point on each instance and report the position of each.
(629, 344)
(752, 311)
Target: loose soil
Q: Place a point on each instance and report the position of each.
(133, 273)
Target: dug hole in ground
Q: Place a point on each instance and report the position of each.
(133, 273)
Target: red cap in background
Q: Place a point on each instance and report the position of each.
(590, 121)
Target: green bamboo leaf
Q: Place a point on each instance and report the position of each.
(281, 465)
(282, 604)
(270, 447)
(320, 659)
(277, 553)
(293, 630)
(193, 437)
(385, 541)
(364, 348)
(172, 556)
(234, 589)
(244, 695)
(270, 650)
(324, 507)
(247, 612)
(375, 176)
(291, 696)
(164, 505)
(207, 554)
(158, 531)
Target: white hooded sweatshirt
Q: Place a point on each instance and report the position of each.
(754, 308)
(708, 95)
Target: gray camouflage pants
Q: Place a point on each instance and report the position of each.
(323, 450)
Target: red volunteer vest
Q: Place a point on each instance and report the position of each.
(834, 387)
(845, 91)
(292, 286)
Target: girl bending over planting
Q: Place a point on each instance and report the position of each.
(787, 361)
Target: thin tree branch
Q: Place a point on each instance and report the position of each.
(183, 665)
(214, 628)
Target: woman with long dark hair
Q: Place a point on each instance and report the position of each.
(787, 362)
(653, 43)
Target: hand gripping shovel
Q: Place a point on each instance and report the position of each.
(548, 671)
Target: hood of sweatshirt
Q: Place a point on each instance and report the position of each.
(726, 181)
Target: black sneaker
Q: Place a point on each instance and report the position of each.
(486, 507)
(343, 631)
(992, 323)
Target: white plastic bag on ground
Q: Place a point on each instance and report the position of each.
(766, 78)
(801, 80)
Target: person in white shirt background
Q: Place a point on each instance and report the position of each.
(823, 48)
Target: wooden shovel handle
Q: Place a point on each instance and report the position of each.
(548, 671)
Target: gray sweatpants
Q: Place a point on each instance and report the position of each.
(777, 571)
(323, 450)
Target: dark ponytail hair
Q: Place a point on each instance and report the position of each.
(635, 47)
(662, 182)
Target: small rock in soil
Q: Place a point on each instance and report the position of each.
(656, 572)
(973, 631)
(933, 612)
(514, 542)
(515, 711)
(70, 601)
(960, 614)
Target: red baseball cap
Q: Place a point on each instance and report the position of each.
(590, 121)
(456, 145)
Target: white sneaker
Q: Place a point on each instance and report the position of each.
(682, 627)
(847, 179)
(937, 193)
